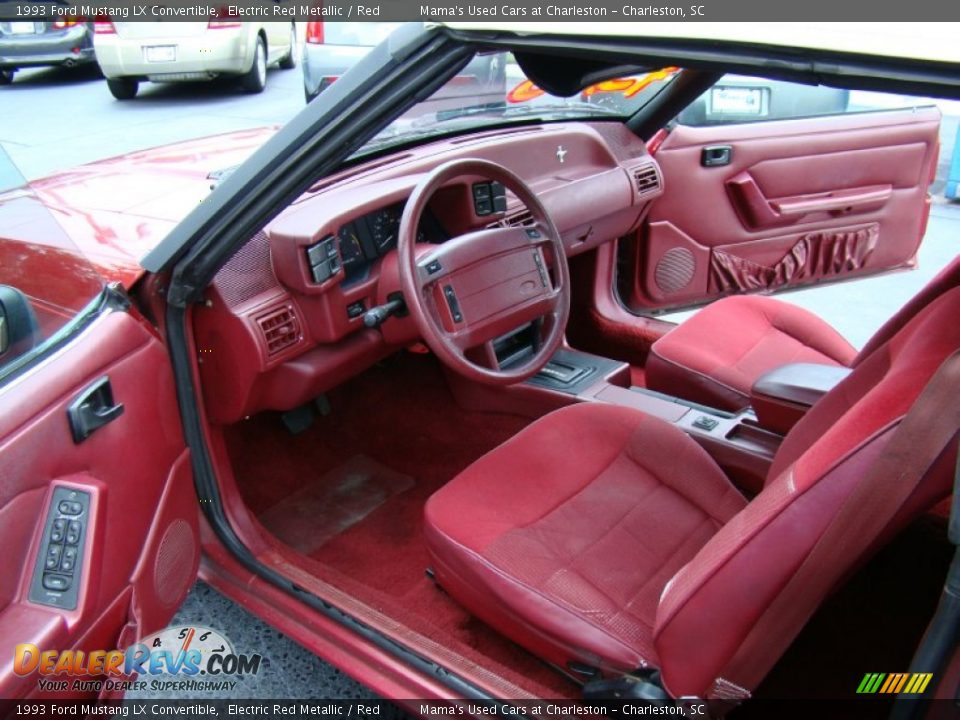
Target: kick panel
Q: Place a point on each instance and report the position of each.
(56, 577)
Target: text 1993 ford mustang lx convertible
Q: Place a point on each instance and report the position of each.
(397, 384)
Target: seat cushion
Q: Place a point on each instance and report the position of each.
(564, 537)
(715, 357)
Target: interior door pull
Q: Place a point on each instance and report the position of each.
(715, 155)
(92, 409)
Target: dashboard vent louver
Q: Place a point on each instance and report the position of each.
(647, 179)
(518, 219)
(280, 329)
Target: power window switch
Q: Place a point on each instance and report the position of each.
(69, 561)
(73, 533)
(57, 531)
(52, 561)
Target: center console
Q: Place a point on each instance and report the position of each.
(785, 394)
(737, 441)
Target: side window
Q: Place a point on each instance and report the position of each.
(741, 98)
(45, 279)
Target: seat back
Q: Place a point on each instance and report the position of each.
(946, 279)
(708, 611)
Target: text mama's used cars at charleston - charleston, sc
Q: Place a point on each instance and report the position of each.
(610, 503)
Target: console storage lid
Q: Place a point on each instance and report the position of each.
(782, 396)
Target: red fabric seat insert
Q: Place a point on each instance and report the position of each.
(715, 357)
(564, 537)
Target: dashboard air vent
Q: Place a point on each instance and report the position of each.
(522, 218)
(280, 329)
(647, 179)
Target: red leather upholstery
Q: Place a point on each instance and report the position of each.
(564, 537)
(715, 357)
(604, 536)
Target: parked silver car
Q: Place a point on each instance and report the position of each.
(332, 48)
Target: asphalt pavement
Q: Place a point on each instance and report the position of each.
(55, 119)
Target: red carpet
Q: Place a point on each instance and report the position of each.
(401, 416)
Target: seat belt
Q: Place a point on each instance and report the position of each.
(943, 633)
(922, 436)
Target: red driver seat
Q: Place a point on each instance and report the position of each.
(608, 538)
(716, 356)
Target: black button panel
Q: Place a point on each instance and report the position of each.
(453, 303)
(57, 575)
(488, 198)
(323, 259)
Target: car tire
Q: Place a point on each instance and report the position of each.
(123, 88)
(255, 79)
(290, 61)
(6, 76)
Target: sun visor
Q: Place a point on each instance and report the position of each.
(565, 76)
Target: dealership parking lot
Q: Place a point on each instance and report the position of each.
(54, 119)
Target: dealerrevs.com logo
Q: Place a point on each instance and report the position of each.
(186, 658)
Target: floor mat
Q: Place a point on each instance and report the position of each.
(337, 500)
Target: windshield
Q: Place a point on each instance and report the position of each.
(493, 90)
(124, 135)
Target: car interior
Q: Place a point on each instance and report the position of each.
(440, 391)
(437, 386)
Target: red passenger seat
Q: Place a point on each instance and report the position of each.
(608, 538)
(716, 356)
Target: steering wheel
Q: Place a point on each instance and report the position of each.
(481, 285)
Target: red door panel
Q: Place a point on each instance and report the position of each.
(136, 537)
(799, 201)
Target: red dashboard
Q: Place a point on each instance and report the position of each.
(283, 318)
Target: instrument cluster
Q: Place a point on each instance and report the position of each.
(372, 236)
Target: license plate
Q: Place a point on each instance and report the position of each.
(736, 100)
(160, 53)
(22, 28)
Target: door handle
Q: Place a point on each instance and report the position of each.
(716, 155)
(92, 409)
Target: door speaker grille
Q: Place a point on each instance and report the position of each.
(675, 270)
(176, 559)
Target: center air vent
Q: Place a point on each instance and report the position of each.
(647, 179)
(517, 219)
(280, 329)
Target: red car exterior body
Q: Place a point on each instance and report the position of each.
(67, 234)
